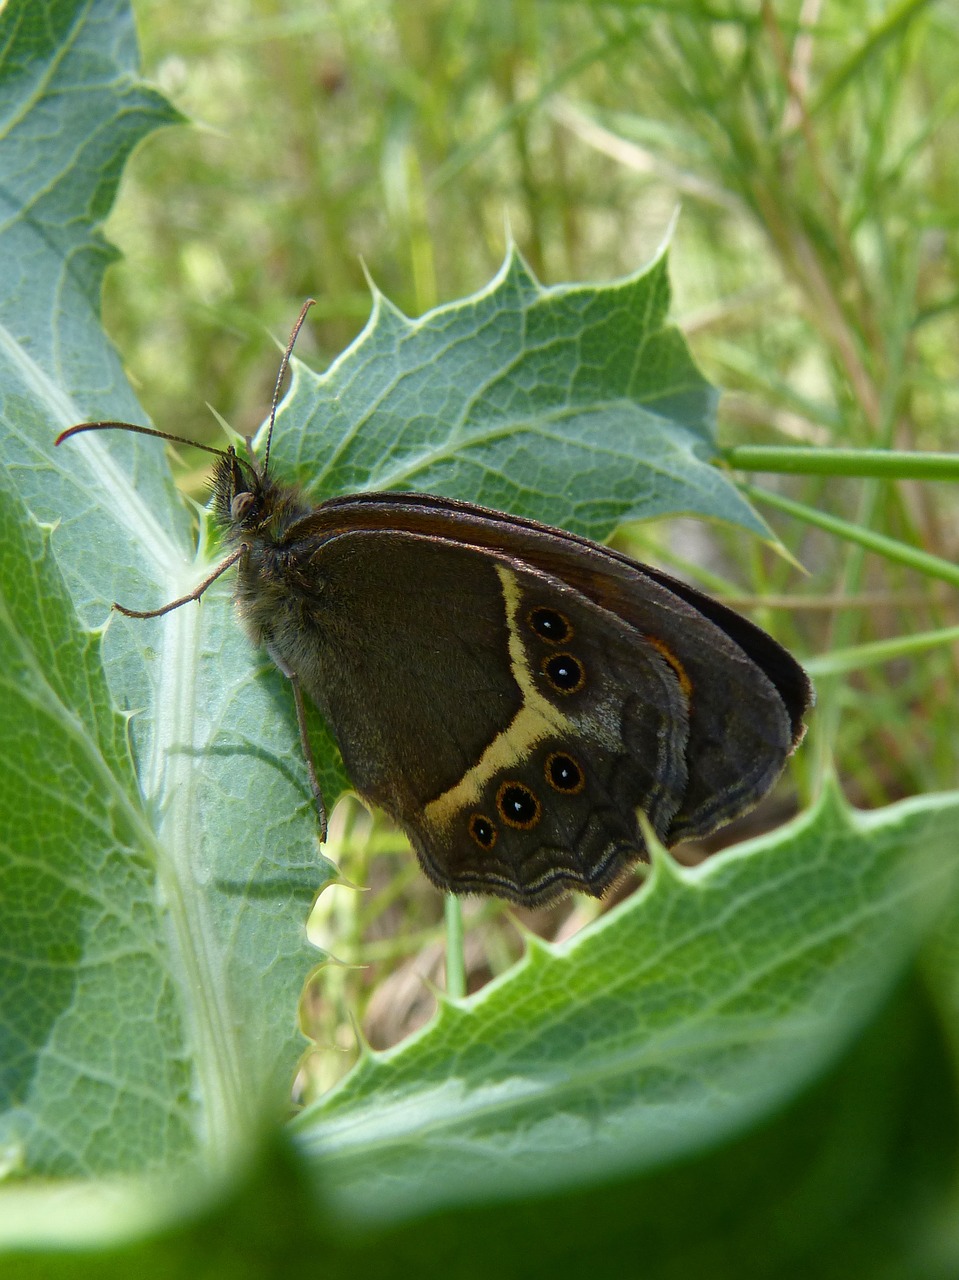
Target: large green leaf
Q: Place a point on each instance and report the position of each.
(77, 915)
(681, 1017)
(154, 937)
(855, 1176)
(578, 405)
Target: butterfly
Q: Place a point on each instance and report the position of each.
(509, 693)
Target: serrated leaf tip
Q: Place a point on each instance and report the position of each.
(662, 249)
(375, 291)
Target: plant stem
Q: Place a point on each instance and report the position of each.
(455, 961)
(891, 464)
(868, 655)
(891, 548)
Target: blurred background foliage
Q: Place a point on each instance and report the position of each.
(812, 149)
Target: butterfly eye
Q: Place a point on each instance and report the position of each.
(565, 673)
(564, 774)
(517, 805)
(242, 504)
(550, 625)
(482, 831)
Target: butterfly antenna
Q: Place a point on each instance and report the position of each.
(140, 431)
(284, 365)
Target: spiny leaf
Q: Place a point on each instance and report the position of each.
(578, 405)
(679, 1019)
(154, 940)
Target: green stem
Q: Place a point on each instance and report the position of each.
(455, 961)
(868, 655)
(890, 464)
(891, 548)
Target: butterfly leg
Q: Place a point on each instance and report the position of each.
(304, 741)
(308, 755)
(193, 595)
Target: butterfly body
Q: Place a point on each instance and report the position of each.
(509, 693)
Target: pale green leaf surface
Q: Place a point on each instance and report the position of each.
(173, 901)
(686, 1014)
(577, 405)
(92, 1050)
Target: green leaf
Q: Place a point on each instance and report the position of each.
(853, 1178)
(77, 914)
(683, 1017)
(71, 110)
(578, 405)
(153, 925)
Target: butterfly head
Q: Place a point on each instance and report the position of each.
(248, 503)
(238, 489)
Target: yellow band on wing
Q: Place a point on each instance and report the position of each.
(535, 721)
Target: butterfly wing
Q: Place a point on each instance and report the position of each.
(511, 694)
(509, 724)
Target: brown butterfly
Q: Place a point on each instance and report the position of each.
(509, 693)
